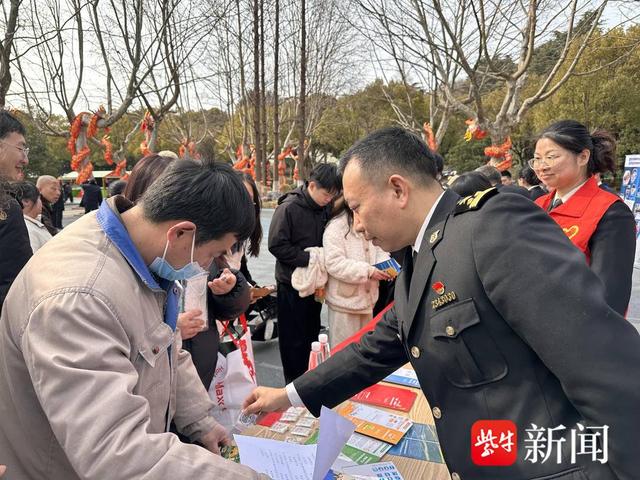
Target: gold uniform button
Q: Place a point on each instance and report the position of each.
(415, 352)
(437, 413)
(455, 476)
(450, 331)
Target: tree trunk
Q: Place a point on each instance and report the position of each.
(243, 90)
(6, 47)
(276, 107)
(302, 174)
(256, 90)
(263, 101)
(153, 141)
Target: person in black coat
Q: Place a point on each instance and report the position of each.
(531, 340)
(58, 209)
(204, 346)
(67, 192)
(15, 248)
(298, 223)
(495, 178)
(528, 179)
(50, 193)
(92, 196)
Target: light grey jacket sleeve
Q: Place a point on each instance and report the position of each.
(192, 400)
(77, 353)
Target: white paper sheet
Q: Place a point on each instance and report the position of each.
(289, 461)
(279, 460)
(335, 430)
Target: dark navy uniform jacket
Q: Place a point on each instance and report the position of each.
(502, 318)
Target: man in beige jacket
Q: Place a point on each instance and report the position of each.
(91, 369)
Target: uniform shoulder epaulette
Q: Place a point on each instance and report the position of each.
(474, 202)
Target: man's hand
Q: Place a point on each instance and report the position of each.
(216, 437)
(224, 283)
(2, 470)
(190, 323)
(264, 399)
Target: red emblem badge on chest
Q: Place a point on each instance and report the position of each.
(438, 287)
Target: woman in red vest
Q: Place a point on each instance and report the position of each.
(596, 221)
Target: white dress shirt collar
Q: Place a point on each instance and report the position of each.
(565, 198)
(425, 224)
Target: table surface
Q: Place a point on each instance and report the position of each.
(411, 469)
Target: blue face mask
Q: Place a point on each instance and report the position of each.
(163, 269)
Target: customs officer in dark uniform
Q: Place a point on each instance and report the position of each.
(498, 314)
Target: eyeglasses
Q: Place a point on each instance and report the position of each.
(548, 161)
(24, 150)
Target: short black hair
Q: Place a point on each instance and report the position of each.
(393, 148)
(505, 173)
(469, 183)
(491, 172)
(209, 194)
(10, 124)
(326, 176)
(439, 162)
(529, 176)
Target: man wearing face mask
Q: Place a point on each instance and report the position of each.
(91, 369)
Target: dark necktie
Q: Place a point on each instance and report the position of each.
(410, 263)
(556, 203)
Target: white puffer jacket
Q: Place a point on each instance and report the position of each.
(349, 262)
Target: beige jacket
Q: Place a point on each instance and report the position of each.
(87, 390)
(38, 233)
(349, 263)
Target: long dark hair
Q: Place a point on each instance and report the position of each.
(340, 207)
(146, 171)
(574, 136)
(256, 236)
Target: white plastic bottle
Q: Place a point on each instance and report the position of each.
(325, 349)
(315, 358)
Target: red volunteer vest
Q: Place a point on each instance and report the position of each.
(580, 215)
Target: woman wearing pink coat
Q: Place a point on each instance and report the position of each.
(352, 285)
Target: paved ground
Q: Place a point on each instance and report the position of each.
(71, 213)
(268, 365)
